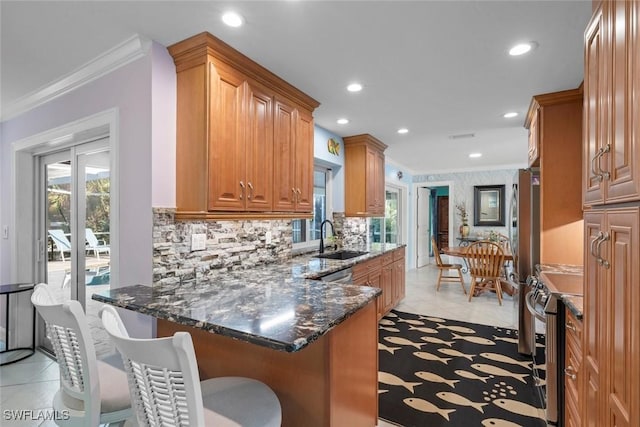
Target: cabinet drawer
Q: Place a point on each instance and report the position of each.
(386, 258)
(398, 254)
(573, 328)
(360, 269)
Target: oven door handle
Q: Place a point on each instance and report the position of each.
(530, 306)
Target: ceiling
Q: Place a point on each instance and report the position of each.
(438, 68)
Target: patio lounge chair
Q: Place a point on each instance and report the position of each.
(95, 245)
(60, 240)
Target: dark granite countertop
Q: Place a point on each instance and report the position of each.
(278, 306)
(575, 304)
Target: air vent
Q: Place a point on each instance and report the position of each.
(462, 136)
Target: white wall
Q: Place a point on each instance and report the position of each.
(335, 162)
(143, 92)
(463, 183)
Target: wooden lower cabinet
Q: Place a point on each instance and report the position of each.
(573, 371)
(333, 382)
(611, 343)
(386, 272)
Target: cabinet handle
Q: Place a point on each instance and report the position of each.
(571, 326)
(568, 371)
(241, 190)
(299, 194)
(604, 174)
(293, 190)
(250, 190)
(599, 173)
(593, 244)
(603, 262)
(593, 166)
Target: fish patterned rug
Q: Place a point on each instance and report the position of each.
(436, 372)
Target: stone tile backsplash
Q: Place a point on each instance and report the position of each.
(230, 245)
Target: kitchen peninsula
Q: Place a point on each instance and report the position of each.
(314, 343)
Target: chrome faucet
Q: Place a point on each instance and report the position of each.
(333, 233)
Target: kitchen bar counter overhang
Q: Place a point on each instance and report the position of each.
(283, 315)
(314, 343)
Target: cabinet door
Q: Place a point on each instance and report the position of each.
(387, 288)
(226, 140)
(304, 162)
(534, 139)
(375, 281)
(371, 181)
(380, 202)
(595, 109)
(593, 322)
(622, 298)
(623, 157)
(398, 281)
(259, 151)
(573, 370)
(284, 156)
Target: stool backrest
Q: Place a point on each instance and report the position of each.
(162, 373)
(68, 330)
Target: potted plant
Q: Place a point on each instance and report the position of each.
(464, 218)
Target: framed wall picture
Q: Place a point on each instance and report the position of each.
(488, 205)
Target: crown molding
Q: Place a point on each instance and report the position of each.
(129, 50)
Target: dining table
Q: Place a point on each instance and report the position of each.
(461, 252)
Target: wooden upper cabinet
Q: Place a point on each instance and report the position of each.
(304, 162)
(612, 104)
(557, 120)
(284, 161)
(364, 176)
(234, 119)
(534, 141)
(259, 149)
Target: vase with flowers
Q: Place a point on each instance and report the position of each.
(464, 227)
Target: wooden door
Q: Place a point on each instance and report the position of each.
(227, 149)
(594, 110)
(284, 164)
(371, 182)
(534, 139)
(387, 287)
(398, 281)
(379, 178)
(594, 326)
(259, 152)
(621, 348)
(442, 227)
(304, 162)
(623, 158)
(375, 280)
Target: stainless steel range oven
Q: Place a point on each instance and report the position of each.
(546, 305)
(543, 305)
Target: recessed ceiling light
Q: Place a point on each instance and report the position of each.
(403, 130)
(343, 121)
(354, 87)
(522, 48)
(510, 115)
(232, 19)
(475, 155)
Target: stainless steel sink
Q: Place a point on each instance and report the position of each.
(342, 255)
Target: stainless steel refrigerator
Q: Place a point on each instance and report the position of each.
(524, 233)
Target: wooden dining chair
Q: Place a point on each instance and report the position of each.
(443, 268)
(485, 261)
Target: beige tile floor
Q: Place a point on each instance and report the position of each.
(31, 383)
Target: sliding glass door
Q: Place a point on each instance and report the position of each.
(75, 218)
